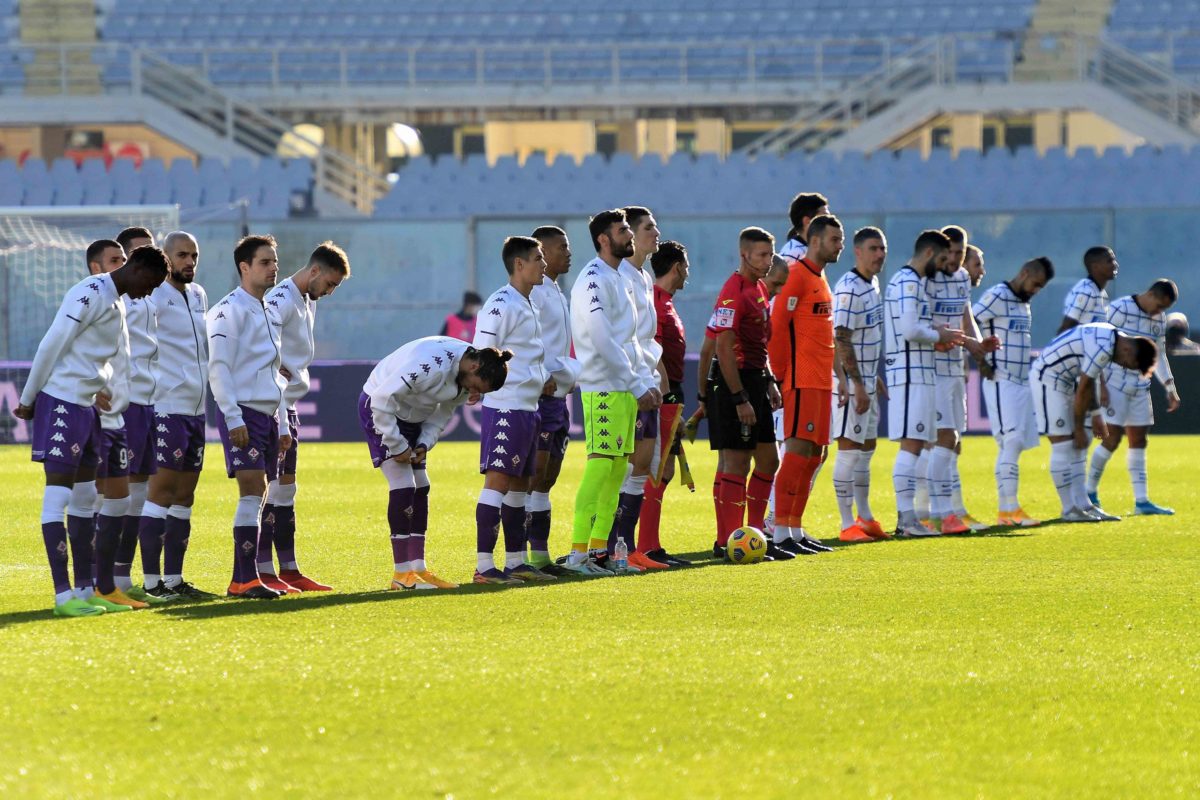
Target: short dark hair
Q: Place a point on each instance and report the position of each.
(517, 247)
(955, 234)
(755, 234)
(635, 214)
(1147, 353)
(1165, 288)
(149, 257)
(545, 233)
(669, 254)
(247, 246)
(328, 255)
(1094, 254)
(1042, 263)
(602, 222)
(472, 298)
(127, 236)
(931, 238)
(866, 234)
(493, 365)
(96, 249)
(805, 204)
(818, 224)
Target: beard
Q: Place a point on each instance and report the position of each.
(180, 277)
(623, 252)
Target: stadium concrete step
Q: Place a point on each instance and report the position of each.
(1051, 49)
(62, 22)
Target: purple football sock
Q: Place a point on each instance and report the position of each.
(245, 538)
(126, 546)
(151, 532)
(177, 533)
(631, 510)
(285, 534)
(513, 519)
(54, 535)
(400, 514)
(487, 527)
(108, 535)
(420, 519)
(416, 547)
(539, 530)
(81, 532)
(266, 535)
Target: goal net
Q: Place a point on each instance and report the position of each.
(41, 256)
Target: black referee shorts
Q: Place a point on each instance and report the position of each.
(725, 430)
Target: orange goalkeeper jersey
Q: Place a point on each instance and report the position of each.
(801, 346)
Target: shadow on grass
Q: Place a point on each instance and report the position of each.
(228, 607)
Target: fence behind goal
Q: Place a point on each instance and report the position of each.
(42, 255)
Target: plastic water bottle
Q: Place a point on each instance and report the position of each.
(621, 554)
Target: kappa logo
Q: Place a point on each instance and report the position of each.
(437, 360)
(501, 423)
(161, 429)
(273, 304)
(58, 437)
(499, 450)
(498, 464)
(237, 462)
(501, 437)
(425, 368)
(412, 376)
(160, 457)
(161, 442)
(593, 285)
(95, 287)
(220, 315)
(495, 312)
(161, 416)
(595, 299)
(449, 354)
(85, 301)
(54, 451)
(60, 409)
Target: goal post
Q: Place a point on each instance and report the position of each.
(42, 255)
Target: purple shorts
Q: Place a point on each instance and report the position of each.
(554, 425)
(262, 452)
(287, 466)
(379, 451)
(508, 441)
(646, 426)
(66, 437)
(114, 454)
(179, 442)
(139, 438)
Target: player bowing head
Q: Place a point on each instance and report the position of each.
(291, 305)
(405, 405)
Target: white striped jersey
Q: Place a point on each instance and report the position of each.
(508, 321)
(1126, 316)
(1086, 302)
(1002, 314)
(792, 251)
(1083, 350)
(858, 306)
(949, 296)
(908, 334)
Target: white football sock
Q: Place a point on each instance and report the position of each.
(862, 483)
(1135, 460)
(939, 481)
(1008, 472)
(956, 497)
(920, 473)
(1062, 468)
(1100, 459)
(904, 480)
(843, 484)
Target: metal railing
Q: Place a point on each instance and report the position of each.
(1153, 87)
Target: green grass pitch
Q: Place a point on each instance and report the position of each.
(1060, 662)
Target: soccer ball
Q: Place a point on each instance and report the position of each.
(746, 545)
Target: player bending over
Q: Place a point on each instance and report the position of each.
(72, 364)
(1064, 381)
(403, 409)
